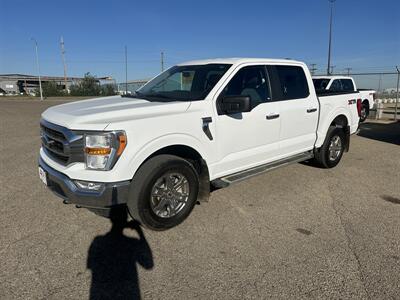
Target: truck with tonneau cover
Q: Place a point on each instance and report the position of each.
(197, 126)
(346, 84)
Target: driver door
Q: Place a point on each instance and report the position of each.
(251, 138)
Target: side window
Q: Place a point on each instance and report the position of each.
(293, 82)
(347, 85)
(336, 86)
(249, 81)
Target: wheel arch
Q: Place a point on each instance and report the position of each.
(340, 121)
(339, 118)
(188, 151)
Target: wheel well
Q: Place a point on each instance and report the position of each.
(196, 160)
(340, 121)
(182, 151)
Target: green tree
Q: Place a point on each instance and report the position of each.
(89, 86)
(50, 89)
(108, 90)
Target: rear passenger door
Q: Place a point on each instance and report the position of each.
(298, 109)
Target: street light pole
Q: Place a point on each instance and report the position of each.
(397, 94)
(328, 70)
(38, 68)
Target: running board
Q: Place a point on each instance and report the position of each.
(242, 175)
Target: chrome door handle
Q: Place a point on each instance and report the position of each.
(272, 116)
(311, 110)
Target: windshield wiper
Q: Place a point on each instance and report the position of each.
(128, 96)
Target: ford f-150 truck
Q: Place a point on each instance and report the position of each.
(342, 84)
(197, 126)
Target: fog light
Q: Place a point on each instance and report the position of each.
(89, 186)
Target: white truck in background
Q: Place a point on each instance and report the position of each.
(199, 124)
(341, 84)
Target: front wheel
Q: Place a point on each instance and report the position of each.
(329, 155)
(163, 192)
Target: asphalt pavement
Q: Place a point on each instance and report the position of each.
(294, 233)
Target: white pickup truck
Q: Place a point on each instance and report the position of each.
(343, 84)
(198, 125)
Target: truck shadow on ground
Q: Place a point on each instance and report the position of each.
(113, 259)
(389, 133)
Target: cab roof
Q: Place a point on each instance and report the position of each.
(239, 60)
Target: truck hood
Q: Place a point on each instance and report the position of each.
(97, 114)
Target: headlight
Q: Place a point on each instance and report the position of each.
(102, 150)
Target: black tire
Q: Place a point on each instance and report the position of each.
(139, 201)
(364, 111)
(322, 155)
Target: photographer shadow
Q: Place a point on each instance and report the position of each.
(113, 259)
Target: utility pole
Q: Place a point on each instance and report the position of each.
(313, 69)
(397, 93)
(330, 39)
(162, 61)
(348, 70)
(380, 83)
(331, 70)
(65, 65)
(38, 68)
(126, 70)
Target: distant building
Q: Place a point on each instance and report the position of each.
(29, 84)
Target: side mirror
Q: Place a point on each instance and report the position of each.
(234, 104)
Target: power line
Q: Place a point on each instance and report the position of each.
(348, 70)
(313, 69)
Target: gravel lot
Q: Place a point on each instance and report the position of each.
(297, 232)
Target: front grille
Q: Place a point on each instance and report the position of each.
(61, 144)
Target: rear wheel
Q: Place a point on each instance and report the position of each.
(331, 152)
(364, 112)
(163, 192)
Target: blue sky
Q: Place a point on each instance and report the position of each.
(366, 34)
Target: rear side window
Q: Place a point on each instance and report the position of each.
(320, 84)
(292, 83)
(347, 85)
(336, 86)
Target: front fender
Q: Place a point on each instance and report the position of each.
(161, 142)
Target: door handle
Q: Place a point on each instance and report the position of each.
(272, 116)
(311, 110)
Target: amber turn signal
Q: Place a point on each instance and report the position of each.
(98, 151)
(122, 144)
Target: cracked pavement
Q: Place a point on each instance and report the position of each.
(298, 232)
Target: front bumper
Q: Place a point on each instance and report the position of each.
(113, 193)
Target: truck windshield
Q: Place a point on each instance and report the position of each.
(321, 84)
(183, 83)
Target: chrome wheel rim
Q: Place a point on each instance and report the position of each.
(363, 112)
(169, 195)
(335, 148)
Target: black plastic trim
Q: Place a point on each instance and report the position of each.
(113, 193)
